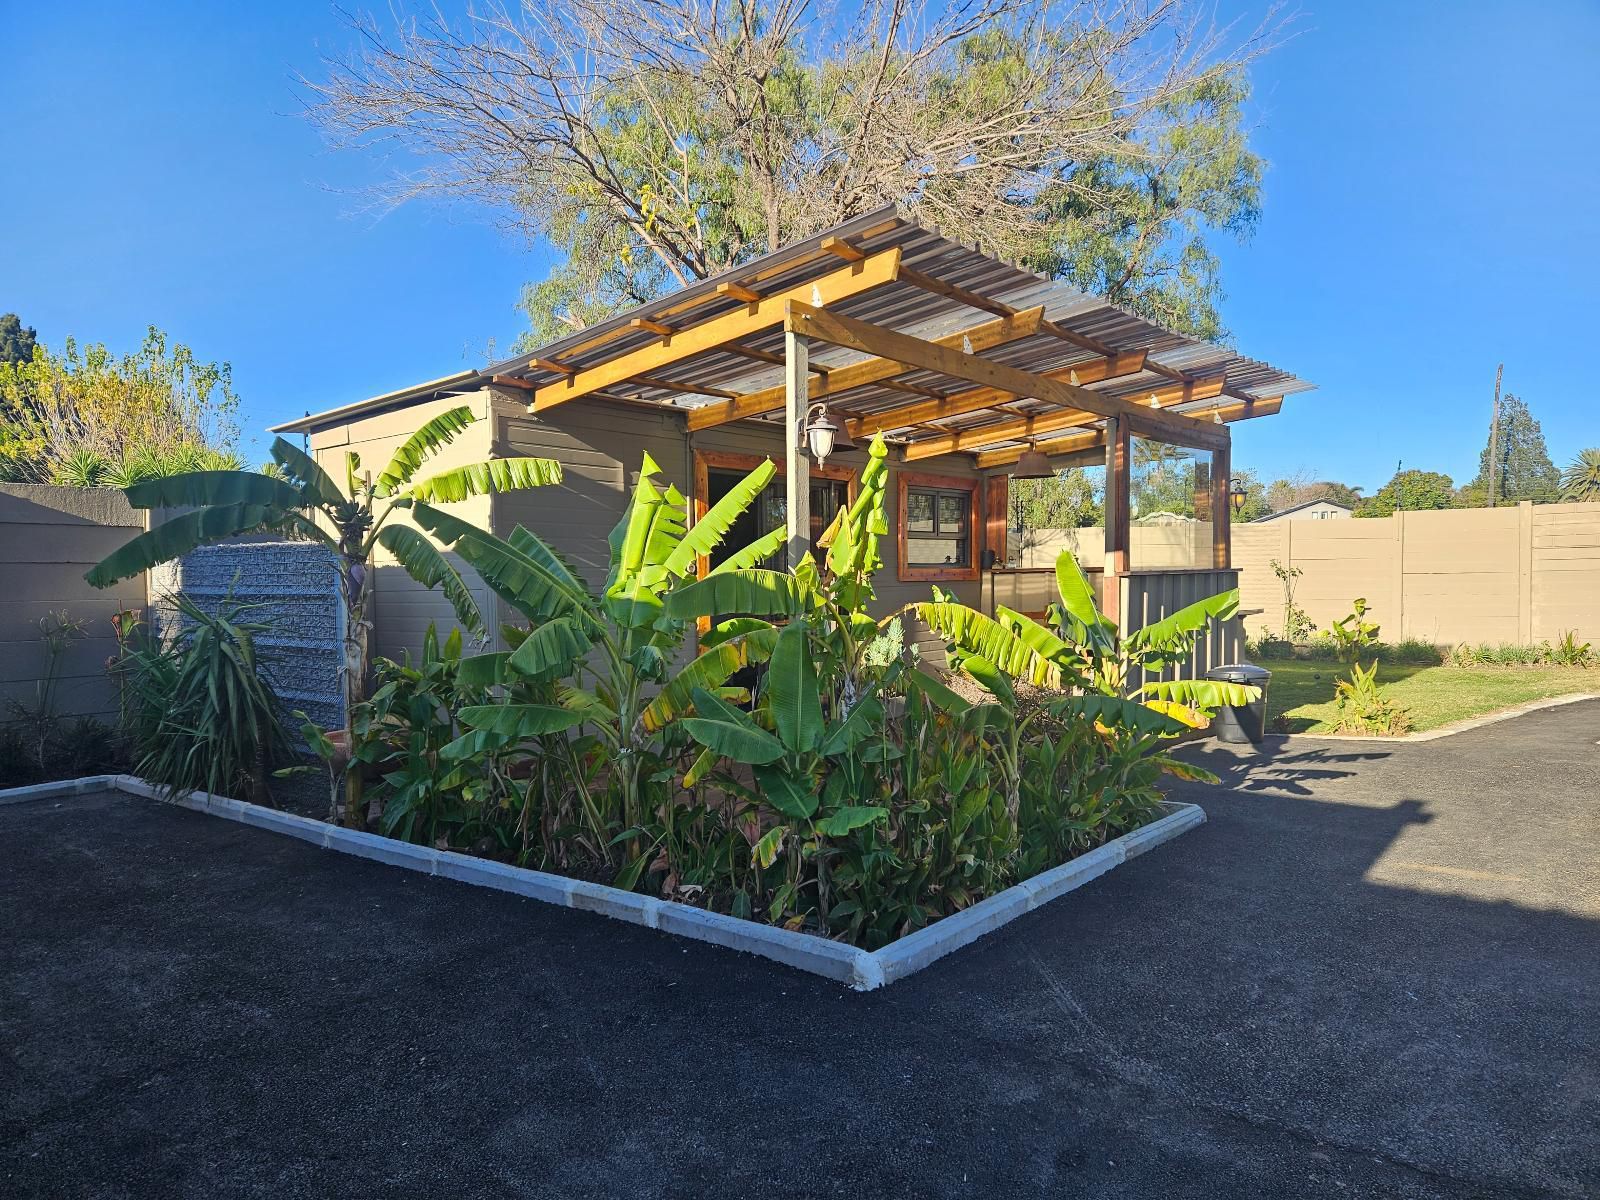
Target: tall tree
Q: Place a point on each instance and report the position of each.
(1409, 490)
(16, 339)
(1522, 467)
(658, 141)
(1302, 489)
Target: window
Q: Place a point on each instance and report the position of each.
(938, 527)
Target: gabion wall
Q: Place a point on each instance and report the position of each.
(294, 588)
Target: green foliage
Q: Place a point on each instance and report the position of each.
(198, 710)
(300, 499)
(1566, 651)
(1410, 491)
(1522, 469)
(1352, 633)
(1361, 707)
(1297, 626)
(1580, 482)
(1110, 149)
(37, 744)
(88, 418)
(16, 339)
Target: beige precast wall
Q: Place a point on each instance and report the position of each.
(1179, 546)
(49, 536)
(1524, 574)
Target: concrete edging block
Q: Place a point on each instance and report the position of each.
(57, 787)
(860, 969)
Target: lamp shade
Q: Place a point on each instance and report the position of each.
(1032, 465)
(824, 435)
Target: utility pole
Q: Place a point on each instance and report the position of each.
(1494, 437)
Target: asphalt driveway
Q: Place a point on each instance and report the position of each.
(1374, 972)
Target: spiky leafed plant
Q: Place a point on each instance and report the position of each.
(304, 501)
(1580, 482)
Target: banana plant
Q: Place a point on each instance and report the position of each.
(611, 655)
(787, 744)
(300, 499)
(1082, 653)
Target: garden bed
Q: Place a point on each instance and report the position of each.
(860, 969)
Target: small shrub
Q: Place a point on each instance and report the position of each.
(1361, 708)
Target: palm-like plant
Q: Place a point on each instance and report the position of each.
(303, 500)
(1580, 482)
(605, 654)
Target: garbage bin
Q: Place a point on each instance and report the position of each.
(1243, 722)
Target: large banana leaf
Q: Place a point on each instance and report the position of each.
(857, 724)
(791, 690)
(990, 676)
(721, 727)
(1199, 693)
(175, 538)
(709, 671)
(971, 632)
(486, 670)
(423, 562)
(640, 545)
(528, 586)
(300, 467)
(753, 593)
(486, 478)
(550, 650)
(1077, 600)
(526, 542)
(936, 693)
(197, 488)
(1175, 630)
(415, 449)
(519, 720)
(795, 796)
(758, 551)
(1040, 640)
(1115, 711)
(707, 533)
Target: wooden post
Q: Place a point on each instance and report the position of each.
(1119, 463)
(1221, 508)
(797, 467)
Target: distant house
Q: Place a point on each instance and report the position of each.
(1311, 510)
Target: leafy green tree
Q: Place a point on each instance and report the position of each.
(16, 340)
(302, 500)
(1580, 482)
(89, 418)
(1409, 490)
(1288, 492)
(1522, 469)
(655, 143)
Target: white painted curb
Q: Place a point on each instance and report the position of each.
(862, 970)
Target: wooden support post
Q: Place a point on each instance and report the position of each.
(1119, 471)
(797, 467)
(1221, 509)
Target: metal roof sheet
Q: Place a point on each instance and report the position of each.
(899, 305)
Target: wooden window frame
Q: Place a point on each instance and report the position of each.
(973, 486)
(706, 461)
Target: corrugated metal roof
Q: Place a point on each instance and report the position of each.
(899, 305)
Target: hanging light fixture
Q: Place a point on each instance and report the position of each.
(1236, 493)
(824, 435)
(1033, 464)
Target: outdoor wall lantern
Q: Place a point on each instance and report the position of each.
(1236, 494)
(824, 435)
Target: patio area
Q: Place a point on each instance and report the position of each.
(1372, 973)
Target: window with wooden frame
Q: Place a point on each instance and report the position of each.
(938, 527)
(715, 471)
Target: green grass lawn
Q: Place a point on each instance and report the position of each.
(1302, 691)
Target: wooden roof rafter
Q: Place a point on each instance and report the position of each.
(840, 330)
(1035, 425)
(1227, 414)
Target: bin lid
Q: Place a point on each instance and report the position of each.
(1240, 673)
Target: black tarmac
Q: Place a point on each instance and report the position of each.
(1374, 972)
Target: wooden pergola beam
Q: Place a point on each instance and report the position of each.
(678, 344)
(840, 330)
(1130, 362)
(1051, 422)
(1241, 410)
(873, 370)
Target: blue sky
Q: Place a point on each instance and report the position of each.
(1432, 207)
